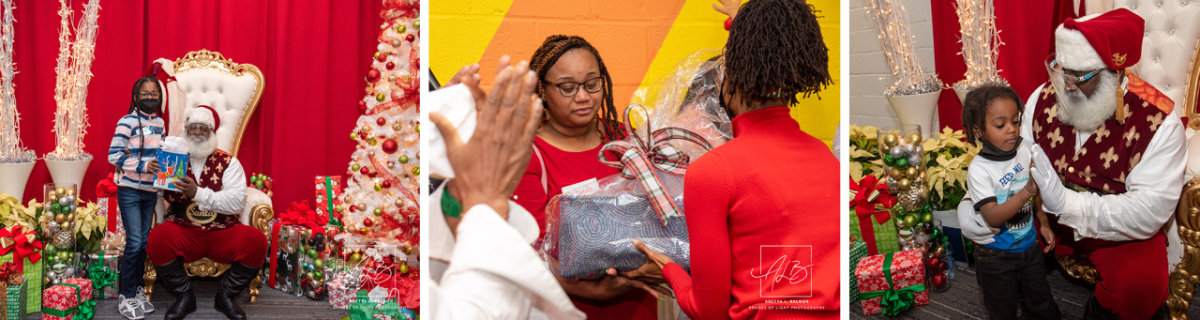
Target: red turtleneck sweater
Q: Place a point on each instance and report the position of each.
(768, 196)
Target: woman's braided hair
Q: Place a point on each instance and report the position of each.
(775, 50)
(547, 55)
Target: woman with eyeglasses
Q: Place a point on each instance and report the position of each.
(579, 119)
(134, 151)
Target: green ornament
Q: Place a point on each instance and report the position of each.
(258, 184)
(401, 28)
(319, 275)
(319, 264)
(910, 220)
(253, 179)
(927, 217)
(378, 212)
(416, 171)
(380, 97)
(417, 24)
(312, 253)
(355, 167)
(937, 233)
(403, 159)
(902, 163)
(888, 160)
(403, 268)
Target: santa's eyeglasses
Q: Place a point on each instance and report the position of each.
(1056, 71)
(198, 127)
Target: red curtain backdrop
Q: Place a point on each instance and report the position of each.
(313, 55)
(1027, 30)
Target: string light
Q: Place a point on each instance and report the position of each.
(73, 73)
(896, 40)
(980, 43)
(11, 149)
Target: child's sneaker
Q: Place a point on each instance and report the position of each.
(145, 304)
(130, 308)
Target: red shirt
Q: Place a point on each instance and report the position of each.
(768, 195)
(564, 169)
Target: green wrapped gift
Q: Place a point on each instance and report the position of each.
(14, 301)
(858, 250)
(33, 281)
(884, 237)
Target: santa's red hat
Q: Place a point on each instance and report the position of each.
(204, 115)
(1110, 40)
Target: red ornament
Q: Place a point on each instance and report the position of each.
(362, 106)
(410, 38)
(939, 280)
(373, 75)
(933, 262)
(367, 223)
(386, 184)
(380, 56)
(390, 65)
(390, 146)
(380, 121)
(353, 208)
(363, 170)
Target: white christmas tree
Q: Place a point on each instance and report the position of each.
(382, 187)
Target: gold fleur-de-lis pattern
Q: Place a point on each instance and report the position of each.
(1107, 154)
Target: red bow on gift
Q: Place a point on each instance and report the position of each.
(107, 188)
(871, 199)
(23, 244)
(300, 214)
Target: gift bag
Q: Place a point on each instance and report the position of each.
(69, 301)
(25, 254)
(858, 250)
(172, 163)
(285, 259)
(898, 276)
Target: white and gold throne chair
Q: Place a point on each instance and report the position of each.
(207, 78)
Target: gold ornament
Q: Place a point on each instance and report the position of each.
(941, 251)
(889, 140)
(60, 218)
(915, 138)
(378, 187)
(60, 190)
(396, 127)
(904, 183)
(399, 203)
(70, 192)
(911, 172)
(895, 172)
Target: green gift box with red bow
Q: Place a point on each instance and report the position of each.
(891, 283)
(23, 249)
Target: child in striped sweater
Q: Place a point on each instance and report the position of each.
(134, 151)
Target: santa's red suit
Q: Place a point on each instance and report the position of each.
(207, 225)
(1121, 181)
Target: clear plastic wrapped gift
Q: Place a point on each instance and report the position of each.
(677, 120)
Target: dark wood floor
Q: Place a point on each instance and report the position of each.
(272, 304)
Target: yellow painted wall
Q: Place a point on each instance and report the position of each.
(639, 41)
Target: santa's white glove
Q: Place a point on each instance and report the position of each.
(1054, 197)
(972, 225)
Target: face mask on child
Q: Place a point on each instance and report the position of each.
(993, 153)
(148, 105)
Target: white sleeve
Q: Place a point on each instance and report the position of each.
(232, 197)
(979, 186)
(495, 274)
(1152, 191)
(1027, 115)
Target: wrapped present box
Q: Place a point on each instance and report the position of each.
(104, 270)
(883, 236)
(858, 250)
(27, 250)
(341, 294)
(15, 297)
(902, 273)
(68, 300)
(329, 197)
(589, 234)
(284, 272)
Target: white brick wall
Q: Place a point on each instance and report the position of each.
(868, 66)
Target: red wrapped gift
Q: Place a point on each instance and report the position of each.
(69, 300)
(891, 283)
(329, 197)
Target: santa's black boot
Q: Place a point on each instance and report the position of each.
(1094, 311)
(175, 279)
(237, 278)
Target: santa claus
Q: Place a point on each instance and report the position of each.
(202, 221)
(1109, 161)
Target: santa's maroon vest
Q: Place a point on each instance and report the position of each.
(186, 213)
(1105, 159)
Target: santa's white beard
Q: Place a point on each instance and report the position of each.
(1088, 114)
(201, 146)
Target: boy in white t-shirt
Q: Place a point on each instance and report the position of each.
(1009, 262)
